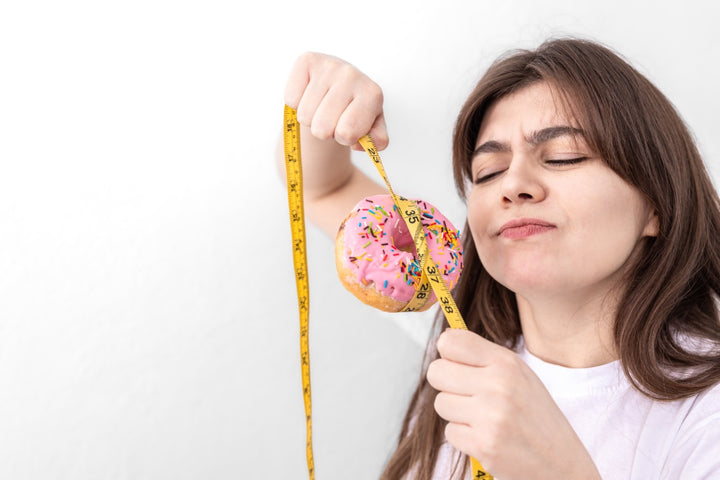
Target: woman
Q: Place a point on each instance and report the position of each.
(591, 270)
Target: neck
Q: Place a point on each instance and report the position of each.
(569, 332)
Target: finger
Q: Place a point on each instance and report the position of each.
(454, 408)
(448, 376)
(297, 81)
(466, 439)
(328, 113)
(355, 122)
(311, 98)
(378, 133)
(467, 347)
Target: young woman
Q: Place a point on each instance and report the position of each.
(592, 269)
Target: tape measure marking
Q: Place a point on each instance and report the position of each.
(410, 213)
(293, 167)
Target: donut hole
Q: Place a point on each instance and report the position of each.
(401, 238)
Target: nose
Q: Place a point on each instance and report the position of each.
(522, 183)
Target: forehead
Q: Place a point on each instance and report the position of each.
(520, 113)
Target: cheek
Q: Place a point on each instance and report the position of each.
(612, 209)
(607, 228)
(614, 231)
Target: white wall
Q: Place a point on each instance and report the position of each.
(147, 320)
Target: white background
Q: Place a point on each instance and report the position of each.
(148, 328)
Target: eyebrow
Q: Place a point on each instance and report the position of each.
(535, 138)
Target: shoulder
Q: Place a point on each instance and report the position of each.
(704, 408)
(694, 449)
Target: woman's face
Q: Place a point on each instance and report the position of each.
(548, 216)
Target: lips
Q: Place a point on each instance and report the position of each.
(524, 227)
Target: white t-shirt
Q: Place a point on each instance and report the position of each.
(628, 435)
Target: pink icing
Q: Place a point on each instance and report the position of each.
(379, 247)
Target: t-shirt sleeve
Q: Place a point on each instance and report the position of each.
(696, 452)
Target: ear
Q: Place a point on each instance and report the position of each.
(652, 226)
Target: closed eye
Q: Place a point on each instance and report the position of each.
(554, 162)
(488, 177)
(568, 161)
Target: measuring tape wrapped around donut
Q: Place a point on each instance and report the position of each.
(376, 258)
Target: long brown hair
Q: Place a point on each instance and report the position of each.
(672, 285)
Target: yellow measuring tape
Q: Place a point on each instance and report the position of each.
(410, 213)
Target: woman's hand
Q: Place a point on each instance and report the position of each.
(336, 100)
(336, 105)
(500, 413)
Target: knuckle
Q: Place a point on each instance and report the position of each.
(332, 66)
(510, 362)
(315, 63)
(347, 73)
(302, 62)
(371, 95)
(501, 419)
(497, 386)
(375, 93)
(307, 58)
(321, 130)
(352, 125)
(302, 115)
(346, 133)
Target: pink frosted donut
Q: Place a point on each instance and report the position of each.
(375, 255)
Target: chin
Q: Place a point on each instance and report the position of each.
(529, 279)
